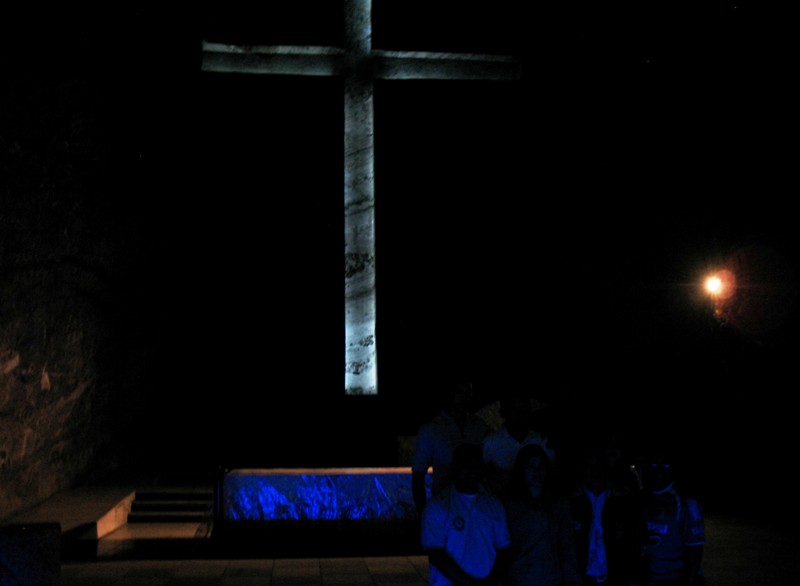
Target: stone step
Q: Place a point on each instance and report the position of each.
(175, 493)
(168, 516)
(144, 506)
(172, 505)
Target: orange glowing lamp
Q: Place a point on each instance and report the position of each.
(720, 285)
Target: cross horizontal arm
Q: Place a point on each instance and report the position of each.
(272, 60)
(327, 61)
(426, 65)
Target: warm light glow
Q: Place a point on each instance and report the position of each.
(714, 285)
(720, 285)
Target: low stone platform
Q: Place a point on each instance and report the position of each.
(316, 512)
(314, 494)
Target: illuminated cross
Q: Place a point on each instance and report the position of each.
(360, 65)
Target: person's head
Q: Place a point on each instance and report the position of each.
(530, 476)
(593, 473)
(467, 468)
(457, 398)
(516, 409)
(658, 472)
(613, 449)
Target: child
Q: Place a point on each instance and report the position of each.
(463, 527)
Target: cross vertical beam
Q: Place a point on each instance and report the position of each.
(361, 359)
(360, 65)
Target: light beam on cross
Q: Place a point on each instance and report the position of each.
(359, 65)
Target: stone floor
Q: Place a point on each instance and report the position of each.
(353, 571)
(740, 551)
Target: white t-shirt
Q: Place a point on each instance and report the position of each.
(470, 528)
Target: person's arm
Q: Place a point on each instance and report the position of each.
(494, 478)
(448, 567)
(421, 460)
(500, 567)
(418, 490)
(693, 529)
(567, 554)
(692, 560)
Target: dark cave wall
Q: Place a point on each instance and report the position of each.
(61, 366)
(51, 400)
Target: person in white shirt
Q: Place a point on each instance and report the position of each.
(464, 530)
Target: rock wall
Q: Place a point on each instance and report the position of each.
(52, 407)
(62, 365)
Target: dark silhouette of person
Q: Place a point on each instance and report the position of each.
(437, 439)
(672, 526)
(604, 517)
(500, 447)
(540, 524)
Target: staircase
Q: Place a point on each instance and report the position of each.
(164, 522)
(174, 505)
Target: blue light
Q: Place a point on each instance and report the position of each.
(324, 494)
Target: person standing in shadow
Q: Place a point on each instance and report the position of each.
(605, 521)
(500, 447)
(436, 440)
(540, 524)
(672, 526)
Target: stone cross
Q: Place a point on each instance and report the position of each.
(359, 65)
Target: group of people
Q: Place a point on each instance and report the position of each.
(501, 507)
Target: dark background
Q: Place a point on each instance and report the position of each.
(551, 232)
